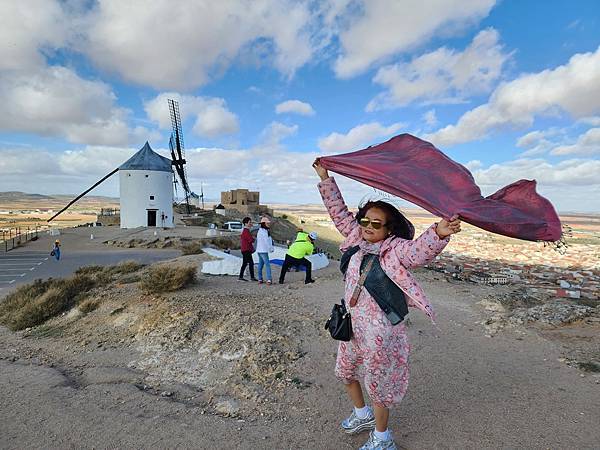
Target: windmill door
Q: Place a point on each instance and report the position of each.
(151, 217)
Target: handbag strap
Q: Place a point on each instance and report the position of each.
(361, 282)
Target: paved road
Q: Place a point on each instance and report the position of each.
(19, 267)
(28, 263)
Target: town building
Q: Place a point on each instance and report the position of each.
(243, 201)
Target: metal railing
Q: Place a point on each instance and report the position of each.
(14, 237)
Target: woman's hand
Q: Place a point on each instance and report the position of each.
(321, 171)
(446, 228)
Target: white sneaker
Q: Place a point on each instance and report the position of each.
(378, 444)
(353, 424)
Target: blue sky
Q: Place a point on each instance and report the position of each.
(509, 89)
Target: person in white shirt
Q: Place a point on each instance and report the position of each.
(264, 246)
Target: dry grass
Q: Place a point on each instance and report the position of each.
(164, 278)
(89, 270)
(124, 268)
(33, 304)
(89, 305)
(222, 242)
(193, 248)
(106, 274)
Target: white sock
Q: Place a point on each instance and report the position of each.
(383, 435)
(361, 413)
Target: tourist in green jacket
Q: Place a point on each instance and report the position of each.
(302, 246)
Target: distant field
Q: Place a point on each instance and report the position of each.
(31, 210)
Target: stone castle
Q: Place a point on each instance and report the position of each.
(245, 202)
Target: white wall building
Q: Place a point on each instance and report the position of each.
(146, 190)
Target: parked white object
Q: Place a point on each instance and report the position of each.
(233, 226)
(230, 265)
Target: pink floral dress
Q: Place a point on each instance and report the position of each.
(378, 352)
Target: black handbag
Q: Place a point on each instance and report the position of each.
(339, 323)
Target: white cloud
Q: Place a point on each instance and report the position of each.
(474, 165)
(358, 137)
(211, 116)
(573, 88)
(430, 118)
(275, 132)
(29, 30)
(572, 172)
(68, 172)
(593, 121)
(93, 161)
(587, 144)
(442, 76)
(531, 139)
(216, 120)
(401, 26)
(179, 45)
(571, 185)
(536, 142)
(55, 101)
(295, 106)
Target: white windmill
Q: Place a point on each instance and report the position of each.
(146, 190)
(146, 182)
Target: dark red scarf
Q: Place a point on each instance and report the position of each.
(415, 170)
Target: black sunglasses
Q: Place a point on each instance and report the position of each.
(375, 223)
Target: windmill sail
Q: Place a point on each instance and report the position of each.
(83, 193)
(177, 148)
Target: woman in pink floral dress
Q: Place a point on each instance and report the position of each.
(377, 354)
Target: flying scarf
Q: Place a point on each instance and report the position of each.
(413, 169)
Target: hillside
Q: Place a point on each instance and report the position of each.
(14, 200)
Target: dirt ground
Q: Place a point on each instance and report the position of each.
(227, 364)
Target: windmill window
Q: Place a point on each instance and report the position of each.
(146, 176)
(152, 196)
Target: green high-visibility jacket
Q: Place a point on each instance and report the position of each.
(301, 247)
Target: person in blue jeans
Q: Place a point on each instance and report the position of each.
(56, 250)
(264, 246)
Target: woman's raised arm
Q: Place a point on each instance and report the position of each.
(342, 218)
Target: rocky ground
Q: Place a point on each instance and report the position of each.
(227, 364)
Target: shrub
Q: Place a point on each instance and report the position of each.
(165, 278)
(194, 248)
(130, 278)
(33, 304)
(89, 270)
(225, 242)
(89, 305)
(124, 267)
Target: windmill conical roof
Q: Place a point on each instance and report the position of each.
(147, 159)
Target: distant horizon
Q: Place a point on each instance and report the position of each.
(208, 200)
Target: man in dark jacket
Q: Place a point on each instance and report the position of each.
(247, 241)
